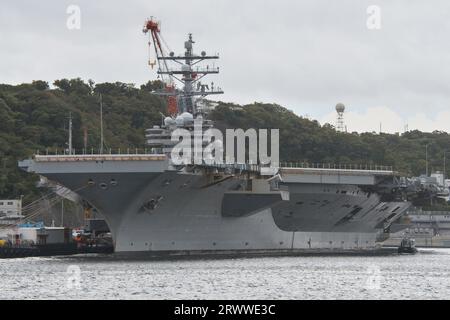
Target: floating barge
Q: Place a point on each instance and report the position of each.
(38, 250)
(37, 240)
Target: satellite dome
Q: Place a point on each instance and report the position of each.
(168, 121)
(184, 118)
(187, 116)
(179, 120)
(340, 107)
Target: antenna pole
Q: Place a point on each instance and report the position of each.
(62, 212)
(70, 133)
(85, 137)
(445, 175)
(101, 125)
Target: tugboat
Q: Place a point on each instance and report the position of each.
(407, 246)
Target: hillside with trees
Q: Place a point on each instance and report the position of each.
(35, 117)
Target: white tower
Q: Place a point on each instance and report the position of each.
(340, 108)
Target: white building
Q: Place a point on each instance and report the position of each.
(36, 235)
(10, 207)
(439, 178)
(447, 183)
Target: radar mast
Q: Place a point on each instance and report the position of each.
(187, 69)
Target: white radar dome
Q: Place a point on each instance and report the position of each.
(187, 116)
(179, 120)
(168, 121)
(340, 107)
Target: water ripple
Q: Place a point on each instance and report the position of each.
(423, 276)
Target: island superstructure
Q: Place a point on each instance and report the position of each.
(155, 207)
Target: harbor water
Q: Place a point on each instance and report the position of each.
(422, 276)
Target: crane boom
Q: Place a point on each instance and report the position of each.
(152, 27)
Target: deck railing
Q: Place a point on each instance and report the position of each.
(93, 151)
(338, 166)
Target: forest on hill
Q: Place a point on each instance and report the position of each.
(35, 117)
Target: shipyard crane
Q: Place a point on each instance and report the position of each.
(152, 28)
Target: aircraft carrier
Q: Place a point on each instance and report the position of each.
(155, 207)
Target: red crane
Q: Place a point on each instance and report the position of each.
(153, 28)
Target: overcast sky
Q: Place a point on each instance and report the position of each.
(305, 55)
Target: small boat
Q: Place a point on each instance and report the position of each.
(407, 246)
